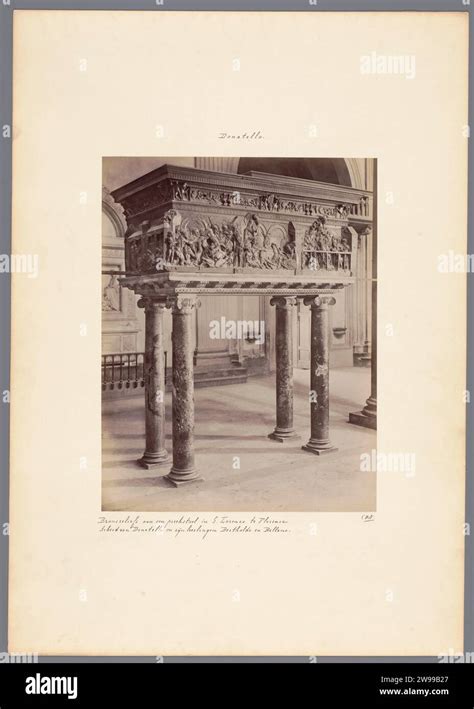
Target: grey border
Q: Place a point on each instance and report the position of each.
(6, 24)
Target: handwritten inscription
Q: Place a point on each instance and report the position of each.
(256, 135)
(203, 526)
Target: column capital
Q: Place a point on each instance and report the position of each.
(319, 301)
(183, 303)
(283, 301)
(151, 302)
(362, 229)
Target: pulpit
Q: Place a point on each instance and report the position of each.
(192, 232)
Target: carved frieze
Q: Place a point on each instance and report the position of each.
(242, 242)
(180, 191)
(268, 202)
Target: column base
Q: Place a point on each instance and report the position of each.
(154, 460)
(183, 477)
(360, 418)
(319, 448)
(282, 435)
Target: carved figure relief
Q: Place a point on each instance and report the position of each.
(241, 242)
(326, 250)
(111, 295)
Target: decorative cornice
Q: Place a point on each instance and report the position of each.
(153, 288)
(172, 186)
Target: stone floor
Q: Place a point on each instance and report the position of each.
(234, 421)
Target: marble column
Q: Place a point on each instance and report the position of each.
(183, 469)
(361, 286)
(285, 307)
(368, 283)
(362, 301)
(368, 416)
(154, 375)
(319, 442)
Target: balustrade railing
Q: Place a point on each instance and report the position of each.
(124, 370)
(319, 260)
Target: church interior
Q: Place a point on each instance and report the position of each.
(236, 376)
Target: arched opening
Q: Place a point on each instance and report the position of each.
(330, 170)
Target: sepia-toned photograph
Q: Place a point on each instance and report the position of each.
(239, 343)
(227, 440)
